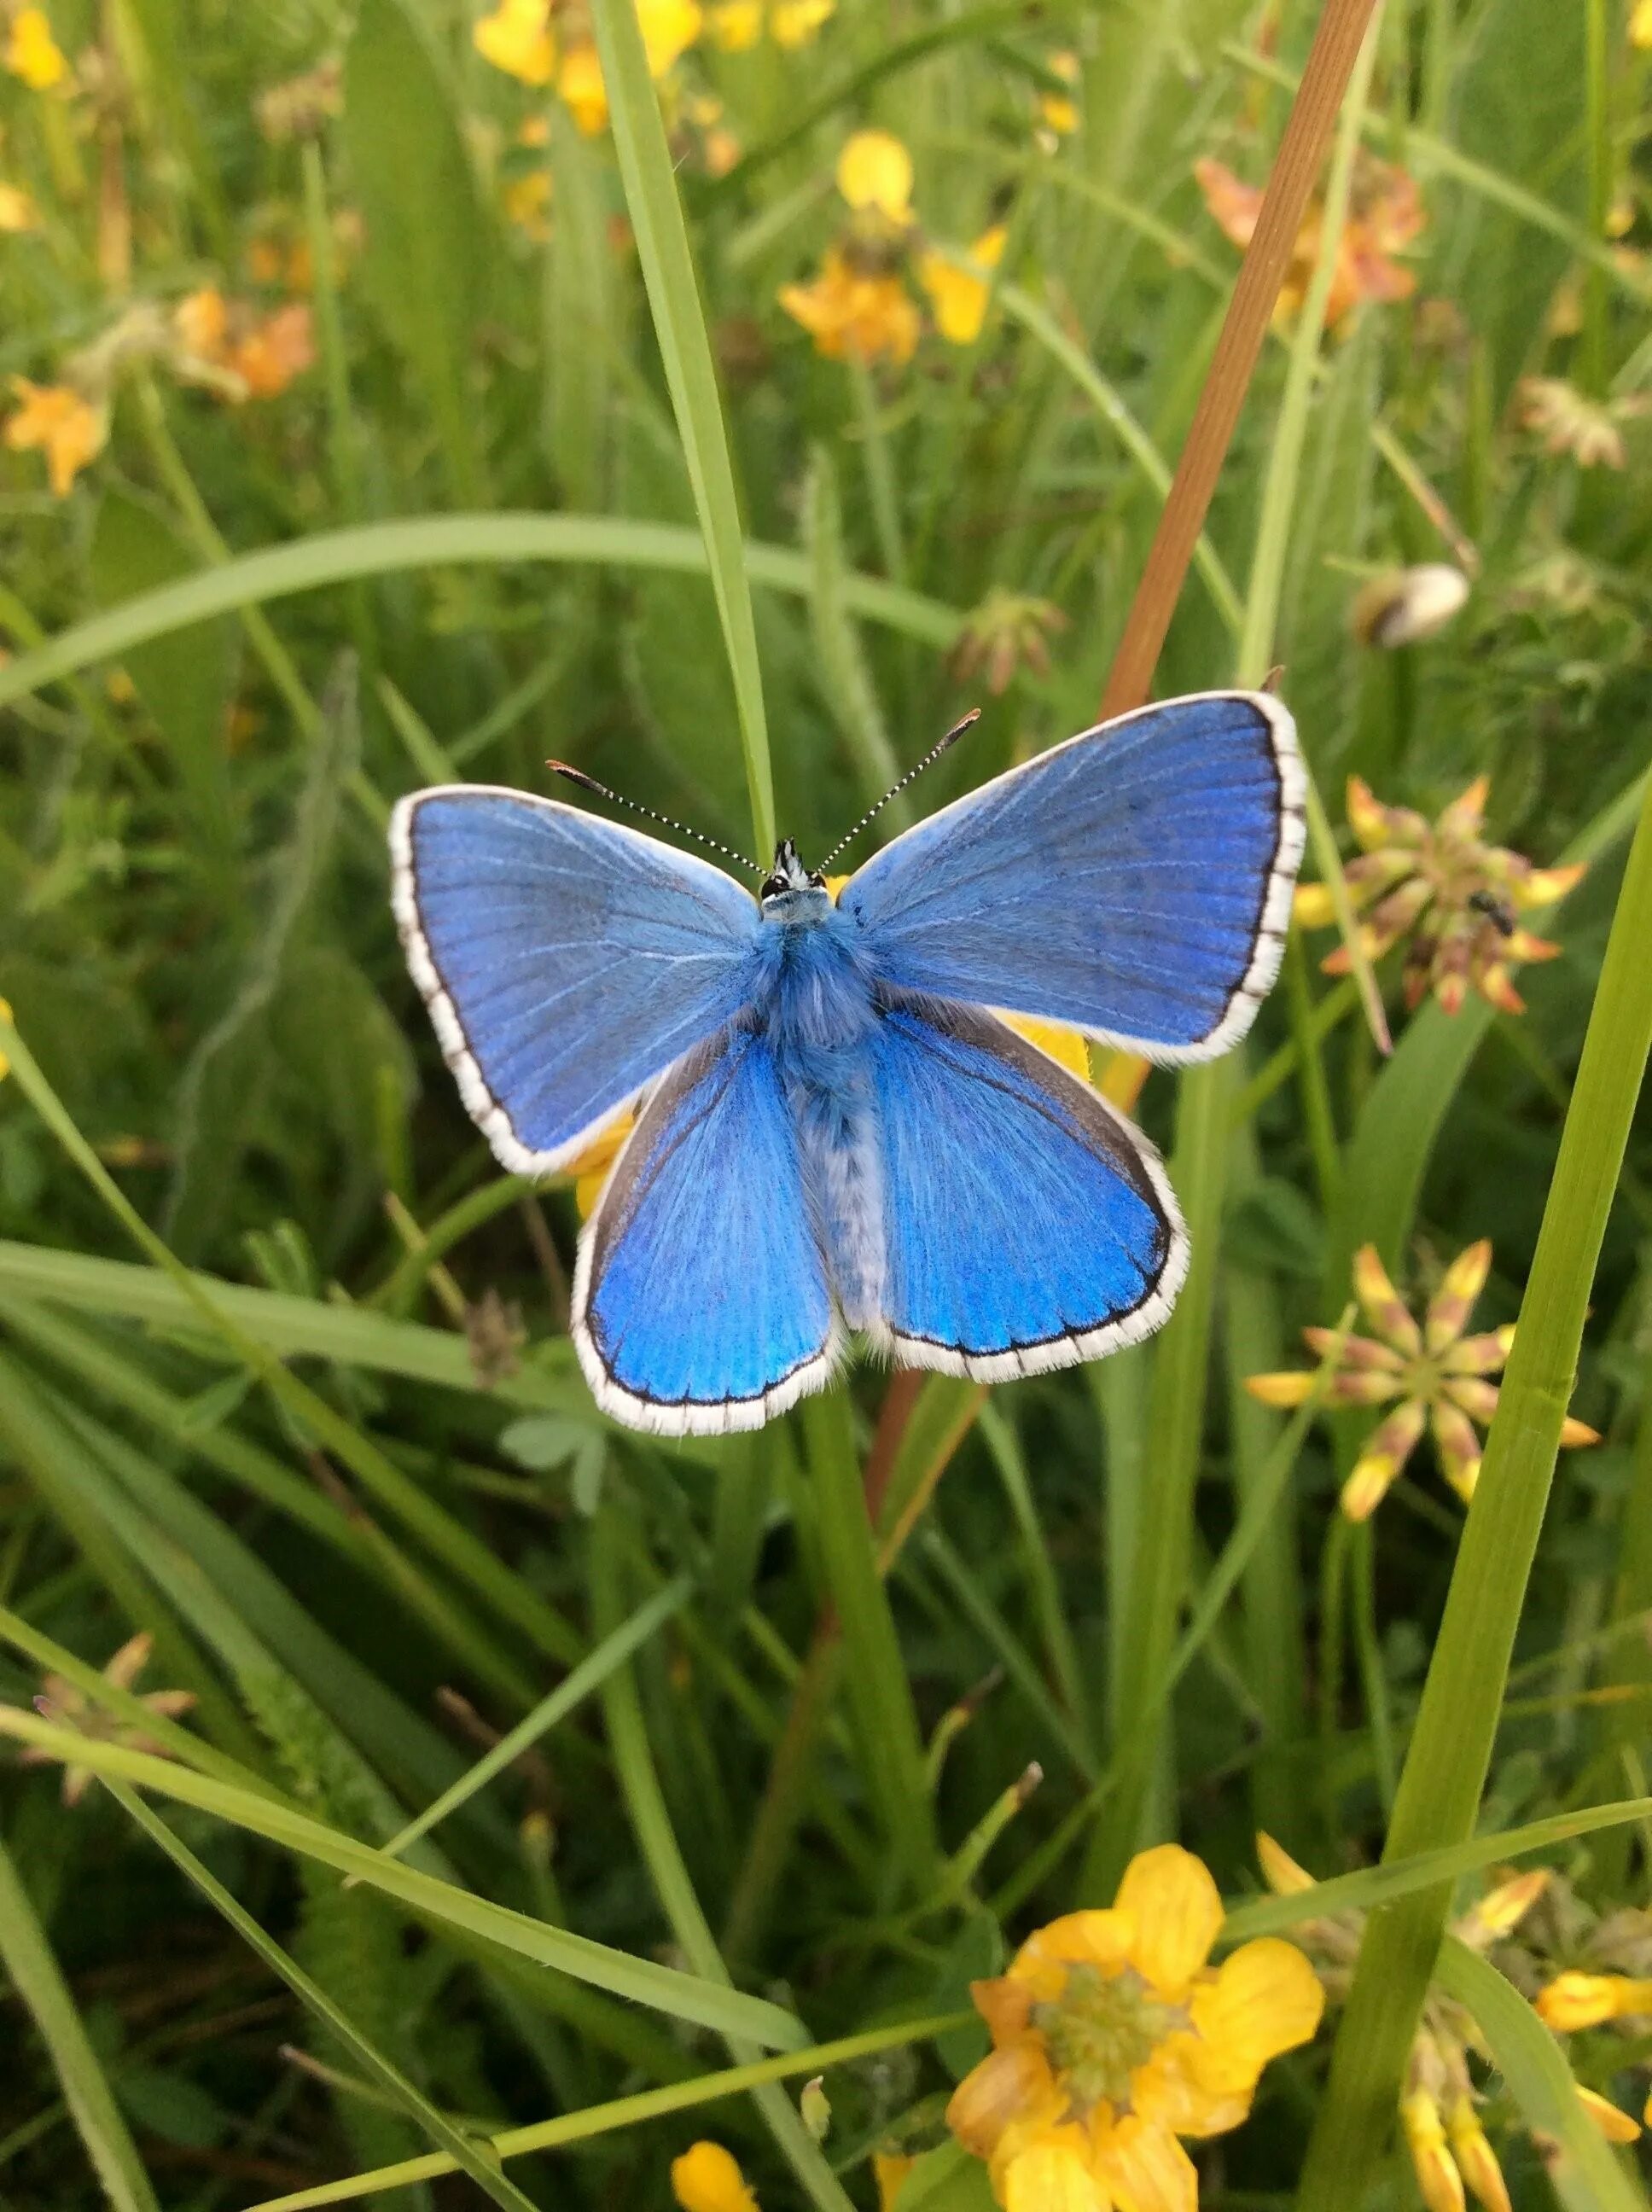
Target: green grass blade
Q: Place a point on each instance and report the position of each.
(382, 549)
(651, 1823)
(590, 1675)
(684, 1996)
(1451, 1744)
(1584, 2171)
(644, 161)
(1380, 1885)
(633, 2112)
(1043, 326)
(37, 1978)
(476, 2159)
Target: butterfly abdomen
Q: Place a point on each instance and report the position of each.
(821, 1015)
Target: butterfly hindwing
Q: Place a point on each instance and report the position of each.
(1026, 1225)
(566, 961)
(700, 1303)
(1134, 882)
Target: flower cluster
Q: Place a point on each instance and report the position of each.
(227, 346)
(1590, 431)
(1385, 215)
(1429, 1375)
(31, 53)
(737, 26)
(1438, 2105)
(550, 43)
(1112, 2039)
(1456, 900)
(859, 307)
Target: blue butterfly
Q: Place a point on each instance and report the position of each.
(835, 1132)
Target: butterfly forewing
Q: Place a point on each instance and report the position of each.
(567, 962)
(1134, 882)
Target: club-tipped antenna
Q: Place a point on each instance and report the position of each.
(636, 807)
(895, 789)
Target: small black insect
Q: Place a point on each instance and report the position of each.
(1497, 911)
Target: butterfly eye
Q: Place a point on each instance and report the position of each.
(773, 887)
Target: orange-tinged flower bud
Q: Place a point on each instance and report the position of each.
(1454, 1300)
(1467, 810)
(1361, 1352)
(1386, 1309)
(1480, 1355)
(1389, 1446)
(1437, 2177)
(1543, 886)
(1458, 1446)
(1575, 1433)
(1279, 1870)
(1476, 2160)
(1614, 2123)
(1504, 1907)
(706, 2179)
(1281, 1390)
(1370, 821)
(1575, 2000)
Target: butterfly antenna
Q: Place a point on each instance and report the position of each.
(911, 775)
(636, 807)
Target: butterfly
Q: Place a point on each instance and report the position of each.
(836, 1129)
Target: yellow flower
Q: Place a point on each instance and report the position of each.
(62, 1701)
(1573, 2000)
(581, 91)
(1112, 2039)
(1059, 110)
(874, 170)
(33, 53)
(855, 313)
(737, 24)
(7, 1016)
(959, 287)
(793, 23)
(1432, 1376)
(517, 38)
(670, 28)
(16, 209)
(1640, 24)
(1455, 899)
(58, 421)
(707, 2179)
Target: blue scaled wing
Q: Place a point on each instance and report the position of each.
(699, 1300)
(566, 962)
(1027, 1225)
(1134, 882)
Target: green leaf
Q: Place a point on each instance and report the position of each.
(38, 1981)
(424, 257)
(378, 548)
(645, 165)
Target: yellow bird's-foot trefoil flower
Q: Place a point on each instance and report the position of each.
(1385, 215)
(1429, 1375)
(1114, 2038)
(1454, 900)
(33, 53)
(61, 422)
(959, 285)
(706, 2179)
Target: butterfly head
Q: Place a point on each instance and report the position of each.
(788, 876)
